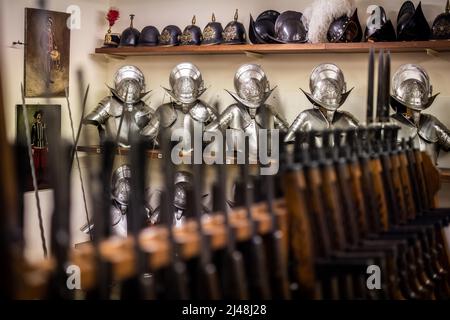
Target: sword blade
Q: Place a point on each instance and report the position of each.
(33, 173)
(380, 90)
(369, 117)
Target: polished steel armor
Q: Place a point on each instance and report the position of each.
(186, 111)
(123, 105)
(411, 94)
(120, 195)
(411, 87)
(183, 181)
(248, 115)
(328, 93)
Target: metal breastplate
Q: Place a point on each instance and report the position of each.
(424, 136)
(243, 124)
(186, 118)
(314, 119)
(134, 119)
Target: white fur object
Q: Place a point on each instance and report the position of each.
(321, 13)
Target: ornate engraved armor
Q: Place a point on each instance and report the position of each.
(328, 93)
(186, 111)
(250, 113)
(411, 94)
(124, 105)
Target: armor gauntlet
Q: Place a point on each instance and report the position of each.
(443, 135)
(280, 122)
(222, 122)
(295, 126)
(151, 130)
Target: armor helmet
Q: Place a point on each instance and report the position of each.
(186, 83)
(129, 83)
(251, 85)
(149, 37)
(289, 28)
(212, 33)
(412, 24)
(345, 29)
(328, 87)
(192, 35)
(183, 182)
(384, 31)
(234, 32)
(130, 36)
(120, 184)
(170, 36)
(411, 88)
(263, 29)
(441, 25)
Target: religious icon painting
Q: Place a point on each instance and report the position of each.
(44, 123)
(47, 53)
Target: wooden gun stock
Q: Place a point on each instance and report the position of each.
(376, 170)
(301, 239)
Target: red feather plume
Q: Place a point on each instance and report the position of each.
(112, 16)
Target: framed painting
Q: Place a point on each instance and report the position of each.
(47, 53)
(41, 120)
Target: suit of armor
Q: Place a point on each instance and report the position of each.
(412, 93)
(123, 109)
(250, 113)
(328, 93)
(187, 110)
(182, 182)
(120, 196)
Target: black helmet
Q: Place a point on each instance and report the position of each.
(412, 24)
(441, 25)
(345, 29)
(192, 35)
(264, 26)
(289, 28)
(212, 33)
(130, 36)
(382, 32)
(234, 32)
(170, 36)
(149, 37)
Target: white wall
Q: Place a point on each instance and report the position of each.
(289, 72)
(83, 43)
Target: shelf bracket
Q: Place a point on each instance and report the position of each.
(254, 55)
(432, 52)
(107, 56)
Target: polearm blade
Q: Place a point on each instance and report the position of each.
(33, 173)
(121, 120)
(380, 90)
(83, 110)
(369, 117)
(74, 152)
(387, 86)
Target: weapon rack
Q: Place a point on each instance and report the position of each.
(430, 47)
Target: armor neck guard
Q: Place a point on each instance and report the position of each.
(182, 101)
(116, 95)
(318, 103)
(249, 104)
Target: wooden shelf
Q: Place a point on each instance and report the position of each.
(445, 174)
(153, 154)
(260, 49)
